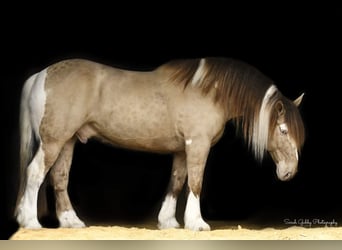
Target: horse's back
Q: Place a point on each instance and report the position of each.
(95, 100)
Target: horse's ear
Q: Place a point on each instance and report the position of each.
(280, 108)
(298, 101)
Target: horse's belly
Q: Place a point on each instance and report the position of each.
(164, 141)
(162, 145)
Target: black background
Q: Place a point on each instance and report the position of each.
(299, 47)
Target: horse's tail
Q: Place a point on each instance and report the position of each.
(29, 138)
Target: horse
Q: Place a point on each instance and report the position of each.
(179, 107)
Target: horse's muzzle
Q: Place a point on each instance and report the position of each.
(286, 171)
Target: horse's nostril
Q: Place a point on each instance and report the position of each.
(287, 175)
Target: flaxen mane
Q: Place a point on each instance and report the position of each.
(241, 90)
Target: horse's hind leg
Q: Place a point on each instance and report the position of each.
(35, 174)
(167, 214)
(60, 178)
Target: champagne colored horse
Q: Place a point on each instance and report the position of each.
(180, 107)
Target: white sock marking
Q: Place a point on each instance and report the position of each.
(167, 214)
(70, 219)
(192, 216)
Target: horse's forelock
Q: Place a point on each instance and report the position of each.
(261, 124)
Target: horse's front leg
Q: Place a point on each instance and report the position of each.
(197, 149)
(60, 178)
(167, 214)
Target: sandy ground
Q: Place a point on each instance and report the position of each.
(146, 233)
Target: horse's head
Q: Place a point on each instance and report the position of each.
(286, 138)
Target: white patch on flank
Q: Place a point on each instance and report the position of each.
(167, 214)
(27, 208)
(261, 126)
(31, 112)
(199, 73)
(188, 141)
(192, 216)
(70, 219)
(37, 99)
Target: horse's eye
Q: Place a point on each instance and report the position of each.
(284, 132)
(283, 128)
